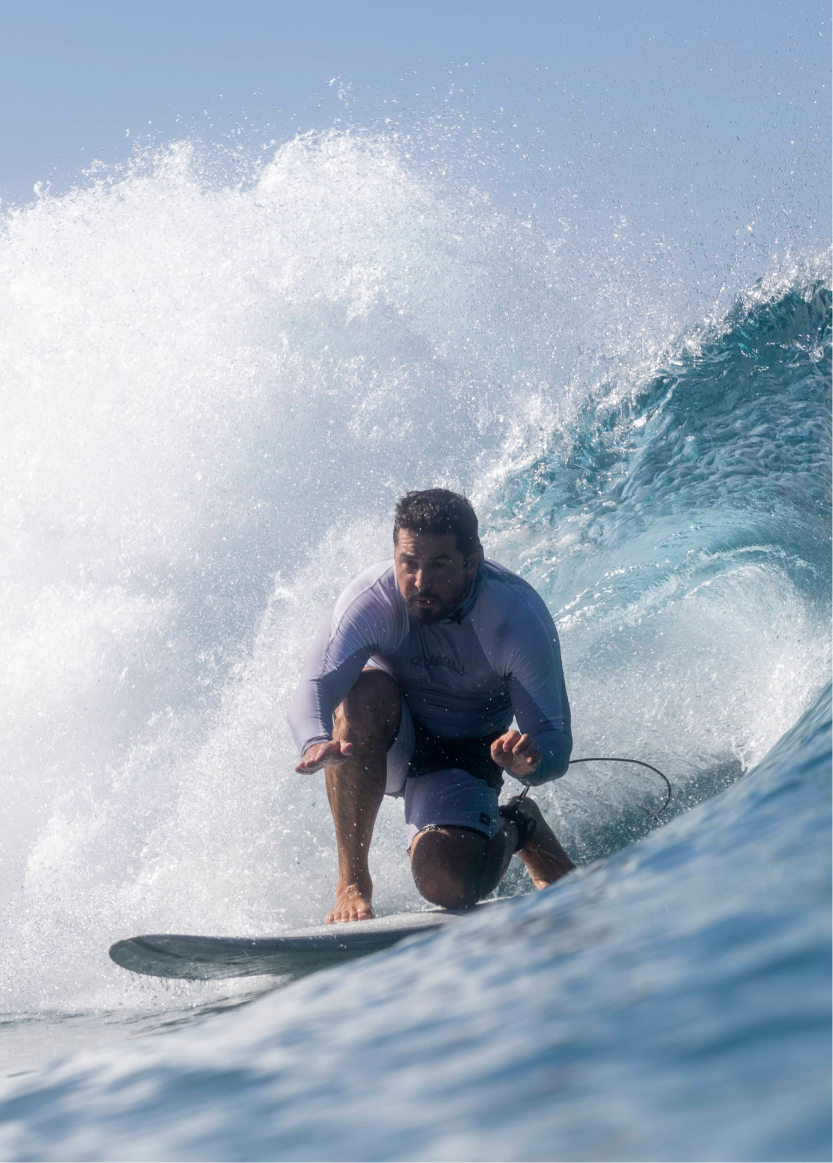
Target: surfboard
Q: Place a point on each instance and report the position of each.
(295, 953)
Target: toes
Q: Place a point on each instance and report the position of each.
(343, 915)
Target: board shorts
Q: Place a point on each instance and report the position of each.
(442, 796)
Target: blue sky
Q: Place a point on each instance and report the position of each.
(686, 116)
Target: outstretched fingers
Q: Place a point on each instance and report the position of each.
(330, 754)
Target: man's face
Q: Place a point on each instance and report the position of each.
(432, 574)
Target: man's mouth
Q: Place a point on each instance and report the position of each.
(423, 601)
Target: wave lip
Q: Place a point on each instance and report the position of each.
(679, 527)
(732, 433)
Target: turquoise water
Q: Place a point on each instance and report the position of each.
(195, 466)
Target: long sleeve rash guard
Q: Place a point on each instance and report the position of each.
(496, 657)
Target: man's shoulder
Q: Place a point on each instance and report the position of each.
(511, 594)
(502, 581)
(374, 589)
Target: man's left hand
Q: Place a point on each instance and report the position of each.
(518, 754)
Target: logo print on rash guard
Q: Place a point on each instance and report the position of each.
(428, 660)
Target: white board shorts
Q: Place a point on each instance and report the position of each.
(451, 798)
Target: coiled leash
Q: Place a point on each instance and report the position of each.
(526, 825)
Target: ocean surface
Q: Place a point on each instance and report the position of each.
(215, 383)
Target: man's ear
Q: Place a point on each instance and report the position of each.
(475, 561)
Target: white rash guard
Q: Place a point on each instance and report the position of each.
(494, 658)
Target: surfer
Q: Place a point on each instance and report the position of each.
(410, 691)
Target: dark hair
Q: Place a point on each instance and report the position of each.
(438, 511)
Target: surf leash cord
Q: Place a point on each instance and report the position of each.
(620, 759)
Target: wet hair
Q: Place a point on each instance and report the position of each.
(438, 511)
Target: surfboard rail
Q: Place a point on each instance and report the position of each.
(198, 958)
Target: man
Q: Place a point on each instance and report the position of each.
(410, 690)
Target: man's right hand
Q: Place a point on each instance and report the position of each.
(329, 754)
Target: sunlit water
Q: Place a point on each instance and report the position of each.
(213, 391)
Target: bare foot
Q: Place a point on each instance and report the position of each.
(352, 904)
(545, 859)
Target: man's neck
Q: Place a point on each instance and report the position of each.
(466, 604)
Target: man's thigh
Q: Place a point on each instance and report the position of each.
(450, 800)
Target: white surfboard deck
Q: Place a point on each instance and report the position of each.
(295, 953)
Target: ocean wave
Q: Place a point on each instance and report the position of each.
(214, 390)
(597, 1019)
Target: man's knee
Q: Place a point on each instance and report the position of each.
(447, 866)
(371, 707)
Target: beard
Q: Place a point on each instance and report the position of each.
(429, 615)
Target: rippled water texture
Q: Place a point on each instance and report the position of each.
(670, 1002)
(214, 389)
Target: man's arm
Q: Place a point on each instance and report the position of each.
(329, 672)
(540, 751)
(363, 623)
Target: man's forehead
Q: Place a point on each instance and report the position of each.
(430, 544)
